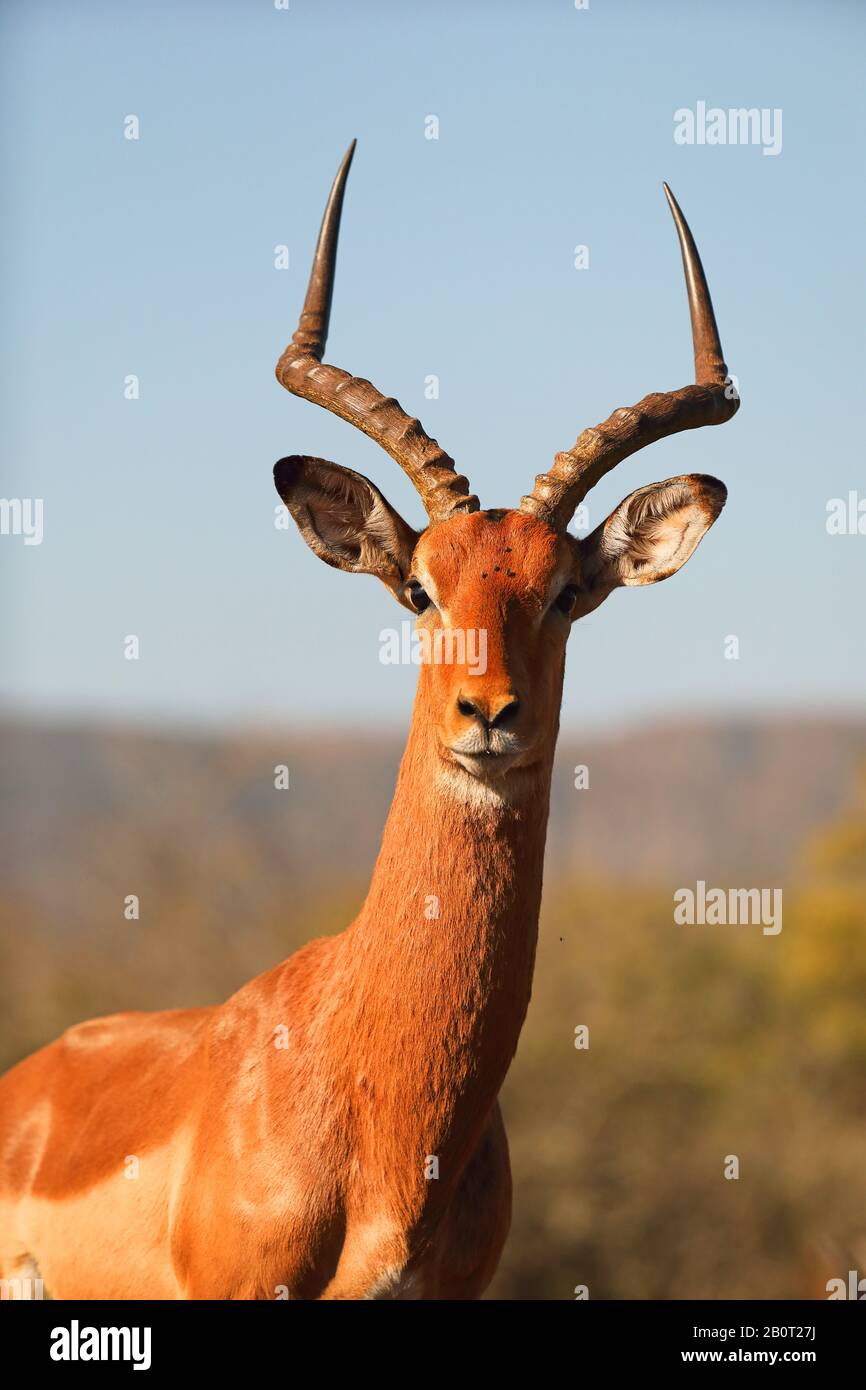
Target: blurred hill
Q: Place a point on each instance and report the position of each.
(662, 801)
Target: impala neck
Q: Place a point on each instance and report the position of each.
(442, 953)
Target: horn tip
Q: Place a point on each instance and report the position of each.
(676, 210)
(345, 164)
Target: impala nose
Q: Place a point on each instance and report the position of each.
(493, 712)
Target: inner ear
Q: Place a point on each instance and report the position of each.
(346, 521)
(650, 535)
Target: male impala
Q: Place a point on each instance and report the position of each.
(282, 1143)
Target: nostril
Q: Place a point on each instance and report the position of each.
(506, 715)
(466, 707)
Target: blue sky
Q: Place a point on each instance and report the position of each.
(556, 127)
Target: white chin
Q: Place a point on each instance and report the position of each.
(487, 767)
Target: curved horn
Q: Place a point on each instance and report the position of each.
(300, 369)
(711, 401)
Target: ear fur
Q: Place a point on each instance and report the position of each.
(649, 536)
(346, 521)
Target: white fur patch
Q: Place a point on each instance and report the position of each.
(455, 781)
(397, 1285)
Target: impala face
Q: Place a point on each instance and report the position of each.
(517, 578)
(511, 581)
(507, 583)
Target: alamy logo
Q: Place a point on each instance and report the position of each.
(719, 907)
(854, 1289)
(23, 1289)
(847, 516)
(22, 516)
(76, 1343)
(740, 125)
(444, 646)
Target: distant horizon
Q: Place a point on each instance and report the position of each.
(390, 727)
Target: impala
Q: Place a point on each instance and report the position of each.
(332, 1130)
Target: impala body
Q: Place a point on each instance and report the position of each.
(332, 1130)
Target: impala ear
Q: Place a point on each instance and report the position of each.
(346, 521)
(648, 537)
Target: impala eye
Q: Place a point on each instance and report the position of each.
(418, 597)
(566, 599)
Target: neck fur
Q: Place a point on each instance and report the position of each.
(442, 953)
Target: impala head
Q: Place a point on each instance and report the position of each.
(496, 592)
